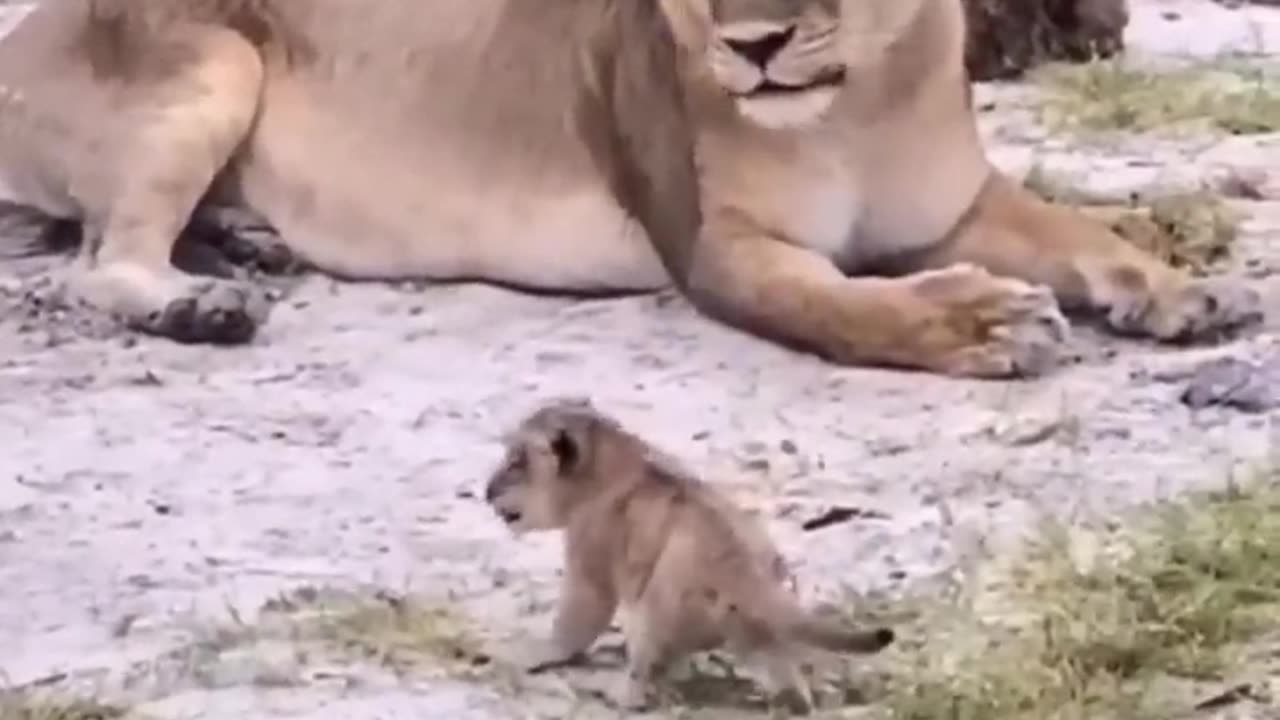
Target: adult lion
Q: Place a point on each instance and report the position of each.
(551, 145)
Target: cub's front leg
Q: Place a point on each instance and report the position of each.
(586, 606)
(959, 320)
(1012, 232)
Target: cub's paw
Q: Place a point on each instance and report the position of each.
(1191, 310)
(636, 695)
(795, 701)
(215, 312)
(540, 667)
(985, 326)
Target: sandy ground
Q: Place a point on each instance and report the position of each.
(155, 485)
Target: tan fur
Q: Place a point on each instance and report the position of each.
(690, 570)
(888, 177)
(540, 145)
(841, 200)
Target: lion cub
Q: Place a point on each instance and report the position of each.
(691, 571)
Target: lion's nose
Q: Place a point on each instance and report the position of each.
(762, 49)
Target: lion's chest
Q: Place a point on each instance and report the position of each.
(823, 212)
(800, 190)
(814, 202)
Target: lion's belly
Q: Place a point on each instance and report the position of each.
(7, 191)
(360, 204)
(577, 240)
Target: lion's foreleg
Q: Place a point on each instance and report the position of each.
(960, 321)
(1013, 233)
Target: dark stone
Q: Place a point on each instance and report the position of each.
(1249, 386)
(1009, 37)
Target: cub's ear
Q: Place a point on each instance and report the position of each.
(567, 425)
(567, 445)
(571, 442)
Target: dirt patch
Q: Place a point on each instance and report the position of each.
(148, 488)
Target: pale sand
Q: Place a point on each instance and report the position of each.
(341, 446)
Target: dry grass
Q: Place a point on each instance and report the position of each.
(32, 705)
(1193, 230)
(1120, 624)
(353, 633)
(1139, 621)
(1223, 95)
(395, 631)
(294, 633)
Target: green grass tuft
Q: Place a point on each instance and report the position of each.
(397, 631)
(1123, 624)
(1224, 95)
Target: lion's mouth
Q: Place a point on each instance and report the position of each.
(771, 88)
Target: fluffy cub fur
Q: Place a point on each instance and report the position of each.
(690, 571)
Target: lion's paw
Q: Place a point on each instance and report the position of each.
(170, 303)
(1193, 310)
(261, 250)
(992, 327)
(218, 244)
(215, 312)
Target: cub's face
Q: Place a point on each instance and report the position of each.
(780, 60)
(537, 483)
(523, 490)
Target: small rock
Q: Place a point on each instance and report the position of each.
(148, 378)
(1232, 382)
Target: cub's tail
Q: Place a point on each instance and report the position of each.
(779, 609)
(834, 636)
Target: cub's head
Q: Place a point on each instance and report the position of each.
(548, 465)
(779, 60)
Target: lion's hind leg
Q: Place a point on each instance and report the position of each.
(174, 129)
(228, 243)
